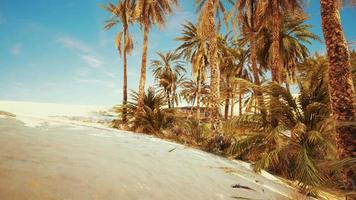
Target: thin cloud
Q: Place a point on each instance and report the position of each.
(73, 43)
(86, 53)
(16, 49)
(96, 64)
(92, 61)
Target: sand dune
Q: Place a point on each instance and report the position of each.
(79, 160)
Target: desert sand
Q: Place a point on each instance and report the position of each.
(47, 153)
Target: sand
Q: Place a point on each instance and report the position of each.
(60, 158)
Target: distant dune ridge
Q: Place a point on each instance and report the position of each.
(3, 113)
(34, 113)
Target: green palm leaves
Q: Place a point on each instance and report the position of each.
(168, 71)
(304, 135)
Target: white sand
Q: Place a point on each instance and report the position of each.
(34, 114)
(55, 158)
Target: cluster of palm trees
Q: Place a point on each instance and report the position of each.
(272, 38)
(146, 13)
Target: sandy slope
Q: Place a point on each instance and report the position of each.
(63, 159)
(34, 114)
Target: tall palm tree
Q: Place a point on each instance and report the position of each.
(209, 9)
(250, 25)
(121, 14)
(342, 92)
(168, 71)
(243, 73)
(150, 13)
(275, 10)
(194, 49)
(231, 62)
(294, 35)
(227, 68)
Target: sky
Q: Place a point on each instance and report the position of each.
(56, 51)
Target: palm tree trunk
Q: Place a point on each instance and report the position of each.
(169, 99)
(227, 106)
(342, 92)
(276, 59)
(198, 93)
(287, 87)
(240, 100)
(124, 110)
(214, 69)
(253, 58)
(256, 77)
(173, 100)
(192, 108)
(276, 28)
(143, 67)
(240, 103)
(227, 99)
(232, 101)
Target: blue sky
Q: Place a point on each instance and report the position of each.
(56, 50)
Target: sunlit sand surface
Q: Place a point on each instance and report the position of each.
(64, 159)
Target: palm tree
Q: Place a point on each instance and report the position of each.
(190, 90)
(245, 104)
(231, 60)
(342, 92)
(275, 10)
(295, 35)
(239, 70)
(302, 139)
(250, 25)
(150, 13)
(209, 9)
(123, 14)
(194, 49)
(168, 71)
(154, 117)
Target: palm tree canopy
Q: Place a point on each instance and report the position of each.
(295, 35)
(219, 10)
(154, 11)
(167, 62)
(194, 49)
(231, 57)
(304, 135)
(122, 13)
(168, 70)
(265, 8)
(244, 14)
(190, 91)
